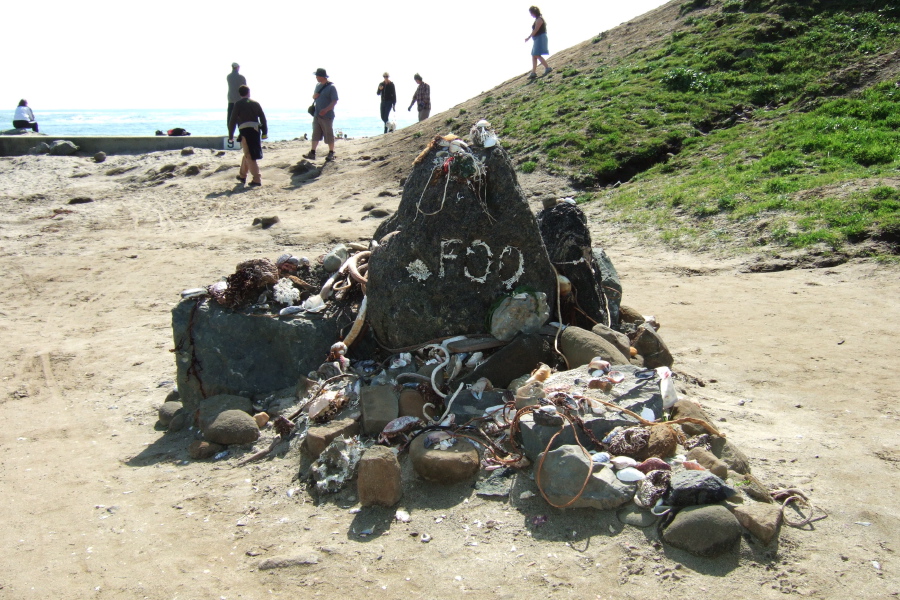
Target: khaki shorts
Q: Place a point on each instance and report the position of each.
(323, 129)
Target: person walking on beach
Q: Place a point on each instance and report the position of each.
(235, 80)
(539, 47)
(24, 117)
(388, 94)
(422, 97)
(325, 97)
(250, 120)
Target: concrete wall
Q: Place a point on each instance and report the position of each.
(18, 145)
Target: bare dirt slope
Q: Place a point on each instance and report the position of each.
(799, 365)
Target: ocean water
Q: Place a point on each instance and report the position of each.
(284, 124)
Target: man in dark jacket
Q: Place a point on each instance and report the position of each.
(388, 94)
(250, 120)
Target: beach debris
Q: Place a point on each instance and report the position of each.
(336, 465)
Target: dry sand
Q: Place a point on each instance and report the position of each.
(799, 366)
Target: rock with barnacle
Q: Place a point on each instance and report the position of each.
(465, 237)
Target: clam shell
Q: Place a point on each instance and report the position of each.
(692, 465)
(616, 376)
(653, 464)
(623, 462)
(630, 474)
(598, 363)
(194, 293)
(601, 457)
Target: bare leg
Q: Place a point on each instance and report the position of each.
(534, 60)
(543, 62)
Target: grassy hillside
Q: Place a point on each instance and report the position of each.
(747, 123)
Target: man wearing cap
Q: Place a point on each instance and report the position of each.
(422, 97)
(250, 120)
(235, 80)
(325, 96)
(388, 94)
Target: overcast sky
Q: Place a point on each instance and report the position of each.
(176, 54)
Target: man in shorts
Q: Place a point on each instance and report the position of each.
(325, 97)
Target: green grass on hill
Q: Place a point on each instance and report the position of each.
(757, 122)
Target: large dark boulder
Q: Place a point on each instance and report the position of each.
(222, 351)
(565, 232)
(460, 244)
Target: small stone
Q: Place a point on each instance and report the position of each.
(696, 487)
(281, 562)
(708, 460)
(580, 346)
(200, 450)
(192, 170)
(687, 408)
(167, 411)
(179, 421)
(173, 396)
(380, 406)
(220, 153)
(730, 454)
(334, 259)
(663, 442)
(411, 403)
(379, 212)
(652, 348)
(209, 408)
(378, 481)
(187, 151)
(232, 427)
(261, 419)
(630, 315)
(762, 520)
(100, 157)
(320, 436)
(63, 148)
(703, 530)
(619, 340)
(460, 462)
(634, 516)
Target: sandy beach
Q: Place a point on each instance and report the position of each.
(796, 366)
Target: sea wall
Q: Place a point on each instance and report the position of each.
(19, 145)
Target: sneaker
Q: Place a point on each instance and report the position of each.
(241, 179)
(311, 155)
(548, 70)
(329, 157)
(255, 184)
(532, 75)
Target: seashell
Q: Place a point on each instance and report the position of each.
(692, 465)
(597, 363)
(290, 310)
(632, 351)
(480, 386)
(601, 458)
(622, 462)
(261, 419)
(402, 516)
(568, 200)
(542, 373)
(424, 538)
(660, 509)
(219, 286)
(647, 414)
(564, 285)
(339, 348)
(612, 434)
(596, 407)
(483, 123)
(489, 140)
(194, 293)
(604, 385)
(653, 464)
(629, 475)
(616, 376)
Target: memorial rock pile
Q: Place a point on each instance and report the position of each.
(483, 339)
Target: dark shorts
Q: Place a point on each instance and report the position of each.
(254, 143)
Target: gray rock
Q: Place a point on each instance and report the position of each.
(304, 171)
(187, 151)
(380, 405)
(760, 519)
(237, 353)
(619, 340)
(167, 411)
(334, 259)
(564, 230)
(696, 487)
(612, 285)
(706, 531)
(63, 148)
(411, 403)
(496, 484)
(378, 482)
(562, 475)
(173, 396)
(40, 148)
(730, 454)
(650, 345)
(192, 170)
(685, 408)
(460, 462)
(282, 562)
(100, 157)
(634, 516)
(452, 257)
(231, 427)
(522, 355)
(580, 346)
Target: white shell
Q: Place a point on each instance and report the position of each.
(194, 293)
(482, 123)
(647, 414)
(623, 462)
(598, 363)
(402, 516)
(489, 140)
(630, 474)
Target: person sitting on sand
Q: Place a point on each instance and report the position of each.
(24, 117)
(250, 120)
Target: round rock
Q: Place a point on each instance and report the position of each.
(100, 157)
(703, 530)
(459, 463)
(232, 427)
(167, 412)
